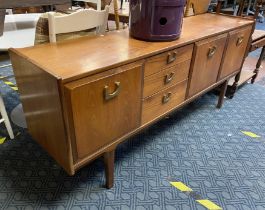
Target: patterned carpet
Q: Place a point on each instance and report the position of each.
(261, 82)
(199, 145)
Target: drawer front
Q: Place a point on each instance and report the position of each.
(168, 77)
(157, 63)
(236, 48)
(163, 101)
(104, 110)
(207, 61)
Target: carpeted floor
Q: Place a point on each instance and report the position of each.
(261, 81)
(199, 145)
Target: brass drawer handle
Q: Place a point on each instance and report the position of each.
(107, 95)
(169, 77)
(212, 51)
(240, 40)
(166, 98)
(171, 57)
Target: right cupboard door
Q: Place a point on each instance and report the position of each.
(206, 64)
(235, 52)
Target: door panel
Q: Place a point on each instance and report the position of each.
(206, 65)
(105, 109)
(236, 48)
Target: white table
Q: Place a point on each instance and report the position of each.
(19, 32)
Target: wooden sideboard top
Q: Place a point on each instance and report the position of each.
(74, 59)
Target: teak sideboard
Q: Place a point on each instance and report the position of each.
(83, 97)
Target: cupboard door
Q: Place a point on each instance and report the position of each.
(206, 64)
(236, 48)
(104, 109)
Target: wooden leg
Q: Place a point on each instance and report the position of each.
(256, 71)
(222, 94)
(121, 3)
(232, 90)
(116, 13)
(109, 168)
(2, 21)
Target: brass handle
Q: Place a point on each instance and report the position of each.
(169, 77)
(166, 98)
(107, 95)
(239, 41)
(212, 51)
(171, 57)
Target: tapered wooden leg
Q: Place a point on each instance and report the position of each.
(256, 71)
(222, 94)
(109, 168)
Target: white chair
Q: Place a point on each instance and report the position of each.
(5, 118)
(78, 21)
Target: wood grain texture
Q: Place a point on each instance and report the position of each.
(97, 121)
(6, 4)
(42, 107)
(117, 48)
(154, 105)
(157, 82)
(205, 68)
(235, 54)
(156, 63)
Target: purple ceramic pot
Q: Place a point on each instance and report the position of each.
(156, 20)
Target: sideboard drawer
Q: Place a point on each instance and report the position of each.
(236, 48)
(168, 77)
(163, 101)
(158, 62)
(104, 109)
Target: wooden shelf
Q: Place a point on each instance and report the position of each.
(245, 76)
(229, 10)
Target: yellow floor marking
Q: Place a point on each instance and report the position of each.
(209, 205)
(180, 186)
(2, 140)
(14, 88)
(10, 84)
(250, 134)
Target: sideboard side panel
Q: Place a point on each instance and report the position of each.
(39, 93)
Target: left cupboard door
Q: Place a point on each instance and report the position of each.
(103, 108)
